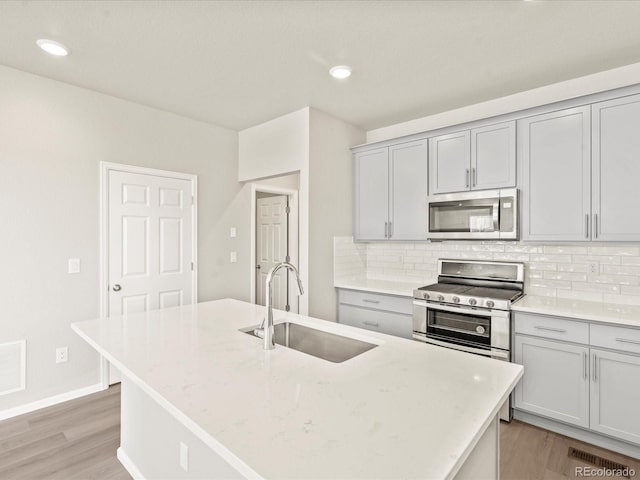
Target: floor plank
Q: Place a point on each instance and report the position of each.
(533, 453)
(75, 439)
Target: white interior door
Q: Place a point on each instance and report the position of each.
(150, 225)
(271, 248)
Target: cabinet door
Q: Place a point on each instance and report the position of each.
(371, 194)
(450, 162)
(391, 323)
(555, 382)
(408, 199)
(615, 394)
(555, 175)
(493, 156)
(616, 169)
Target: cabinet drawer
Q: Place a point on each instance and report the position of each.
(397, 324)
(552, 327)
(390, 303)
(616, 338)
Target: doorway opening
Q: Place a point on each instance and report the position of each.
(274, 239)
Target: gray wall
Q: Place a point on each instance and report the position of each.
(52, 137)
(330, 203)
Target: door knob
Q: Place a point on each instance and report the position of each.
(258, 267)
(117, 288)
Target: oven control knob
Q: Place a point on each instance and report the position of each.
(490, 303)
(472, 301)
(441, 298)
(480, 329)
(456, 299)
(425, 296)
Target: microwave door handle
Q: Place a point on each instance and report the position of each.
(496, 215)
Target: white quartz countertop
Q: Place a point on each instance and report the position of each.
(626, 315)
(389, 287)
(404, 409)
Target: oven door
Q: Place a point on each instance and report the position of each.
(480, 331)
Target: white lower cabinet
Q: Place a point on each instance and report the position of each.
(615, 394)
(390, 314)
(593, 388)
(556, 379)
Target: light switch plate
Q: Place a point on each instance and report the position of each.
(233, 257)
(233, 232)
(74, 265)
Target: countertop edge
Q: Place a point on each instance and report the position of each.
(201, 434)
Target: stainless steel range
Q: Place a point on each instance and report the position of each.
(469, 309)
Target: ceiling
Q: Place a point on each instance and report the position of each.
(240, 63)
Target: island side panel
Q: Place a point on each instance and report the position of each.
(484, 461)
(150, 442)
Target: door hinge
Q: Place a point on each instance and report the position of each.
(287, 209)
(287, 258)
(193, 200)
(192, 266)
(287, 308)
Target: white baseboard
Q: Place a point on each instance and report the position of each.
(49, 401)
(129, 465)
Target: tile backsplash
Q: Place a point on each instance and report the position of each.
(583, 272)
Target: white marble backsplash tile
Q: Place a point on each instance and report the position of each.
(600, 273)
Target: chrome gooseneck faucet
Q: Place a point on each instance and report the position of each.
(266, 327)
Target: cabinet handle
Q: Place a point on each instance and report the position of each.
(386, 229)
(366, 300)
(466, 178)
(586, 226)
(584, 365)
(390, 229)
(371, 324)
(595, 225)
(551, 329)
(474, 177)
(595, 366)
(627, 340)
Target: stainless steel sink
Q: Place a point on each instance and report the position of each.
(325, 345)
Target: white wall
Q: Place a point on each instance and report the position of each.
(578, 87)
(52, 138)
(330, 203)
(275, 147)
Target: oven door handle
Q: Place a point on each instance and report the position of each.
(486, 353)
(461, 310)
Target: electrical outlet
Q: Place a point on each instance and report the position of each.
(62, 354)
(593, 268)
(73, 265)
(184, 456)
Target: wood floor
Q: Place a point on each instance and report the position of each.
(73, 440)
(78, 440)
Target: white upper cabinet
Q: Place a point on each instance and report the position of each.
(555, 175)
(371, 194)
(493, 156)
(390, 192)
(408, 199)
(616, 169)
(477, 159)
(450, 162)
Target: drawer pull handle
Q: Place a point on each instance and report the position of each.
(626, 340)
(366, 300)
(551, 329)
(371, 324)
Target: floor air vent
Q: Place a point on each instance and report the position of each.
(598, 461)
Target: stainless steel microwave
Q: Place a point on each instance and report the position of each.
(482, 215)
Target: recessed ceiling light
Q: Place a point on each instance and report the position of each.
(53, 47)
(340, 71)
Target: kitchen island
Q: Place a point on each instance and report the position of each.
(201, 399)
